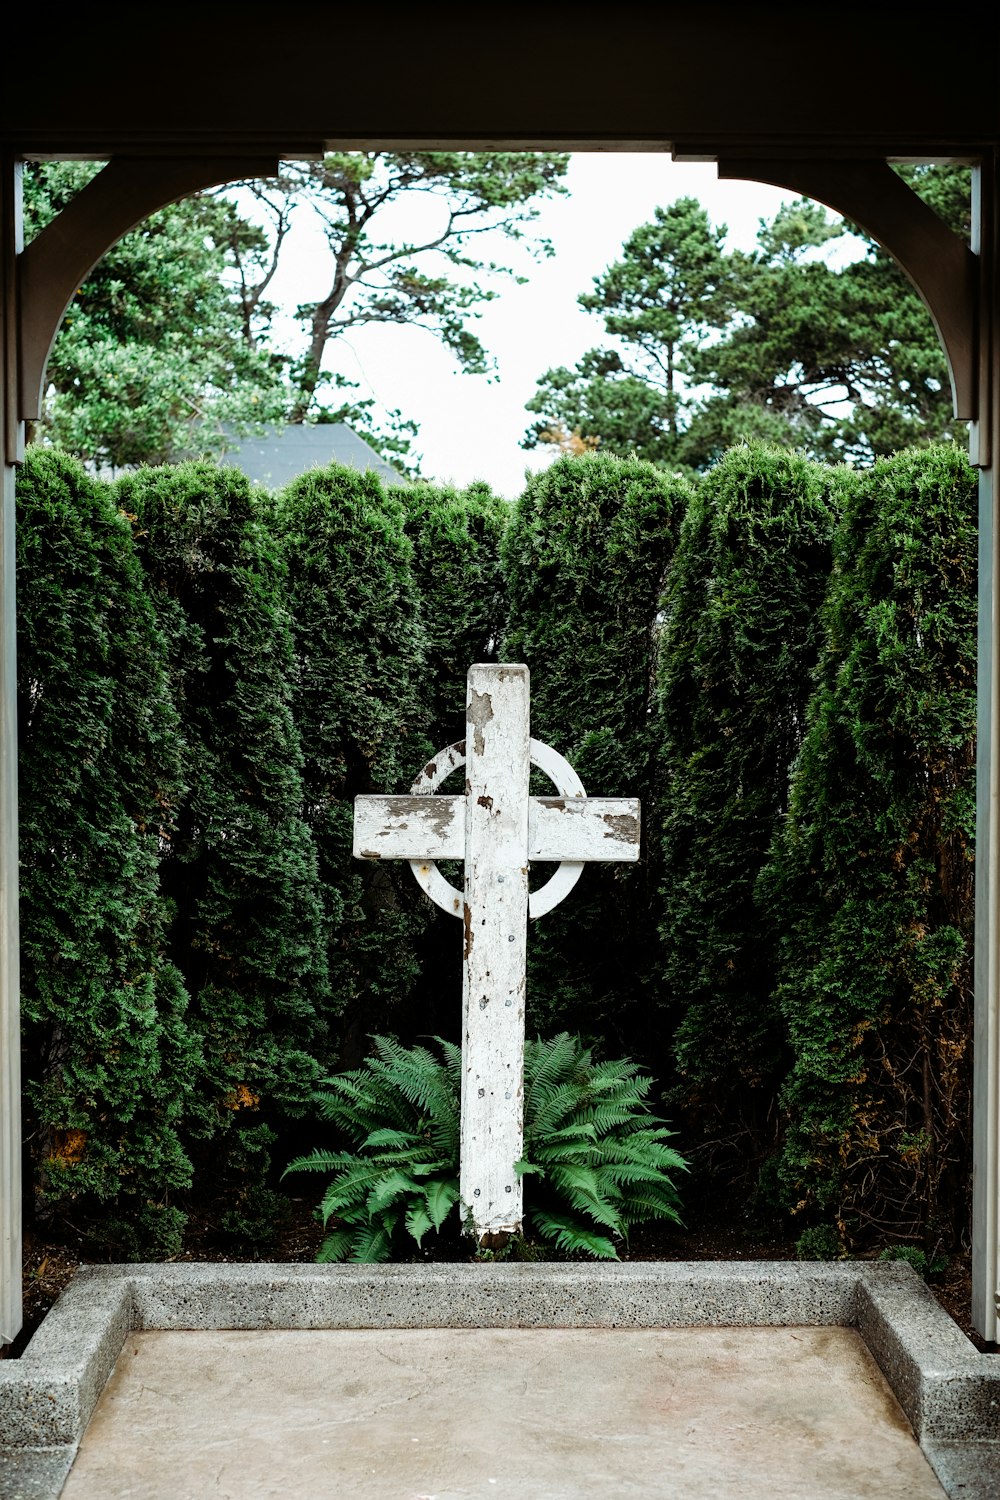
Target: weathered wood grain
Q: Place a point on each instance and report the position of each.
(497, 829)
(496, 927)
(423, 828)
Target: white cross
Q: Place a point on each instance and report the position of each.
(497, 829)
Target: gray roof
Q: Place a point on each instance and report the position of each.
(283, 453)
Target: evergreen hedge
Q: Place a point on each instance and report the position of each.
(871, 882)
(585, 555)
(361, 711)
(240, 868)
(112, 1068)
(739, 639)
(208, 676)
(456, 536)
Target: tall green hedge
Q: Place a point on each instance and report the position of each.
(241, 867)
(871, 884)
(585, 555)
(456, 537)
(111, 1067)
(739, 639)
(360, 708)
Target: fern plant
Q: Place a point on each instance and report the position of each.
(600, 1157)
(596, 1158)
(401, 1114)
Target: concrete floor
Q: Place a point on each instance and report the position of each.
(541, 1414)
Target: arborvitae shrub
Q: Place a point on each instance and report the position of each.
(359, 704)
(111, 1068)
(585, 555)
(456, 537)
(739, 640)
(872, 880)
(241, 866)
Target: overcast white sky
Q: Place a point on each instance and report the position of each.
(471, 425)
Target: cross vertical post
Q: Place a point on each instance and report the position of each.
(497, 829)
(496, 927)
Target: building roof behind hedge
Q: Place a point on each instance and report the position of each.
(283, 453)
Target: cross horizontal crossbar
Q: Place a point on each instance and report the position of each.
(583, 829)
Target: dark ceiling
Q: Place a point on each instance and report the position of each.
(135, 79)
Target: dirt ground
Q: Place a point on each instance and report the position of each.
(49, 1265)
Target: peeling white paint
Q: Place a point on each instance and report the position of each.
(497, 829)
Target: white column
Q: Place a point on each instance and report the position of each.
(11, 437)
(496, 925)
(986, 1087)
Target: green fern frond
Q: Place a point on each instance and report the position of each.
(386, 1137)
(545, 1065)
(390, 1186)
(372, 1246)
(418, 1221)
(335, 1247)
(572, 1236)
(317, 1161)
(595, 1156)
(440, 1196)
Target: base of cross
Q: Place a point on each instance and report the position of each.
(497, 1239)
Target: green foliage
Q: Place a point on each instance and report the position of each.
(738, 641)
(111, 1064)
(822, 1242)
(400, 1113)
(845, 359)
(455, 536)
(595, 1157)
(240, 867)
(925, 1265)
(870, 882)
(170, 336)
(661, 299)
(430, 279)
(359, 706)
(154, 353)
(585, 555)
(783, 344)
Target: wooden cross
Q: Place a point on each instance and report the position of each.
(497, 828)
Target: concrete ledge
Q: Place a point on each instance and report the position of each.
(949, 1392)
(632, 1294)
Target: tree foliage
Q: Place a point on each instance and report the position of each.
(151, 358)
(241, 866)
(360, 707)
(870, 883)
(111, 1063)
(782, 344)
(456, 537)
(171, 336)
(585, 555)
(661, 300)
(425, 279)
(738, 641)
